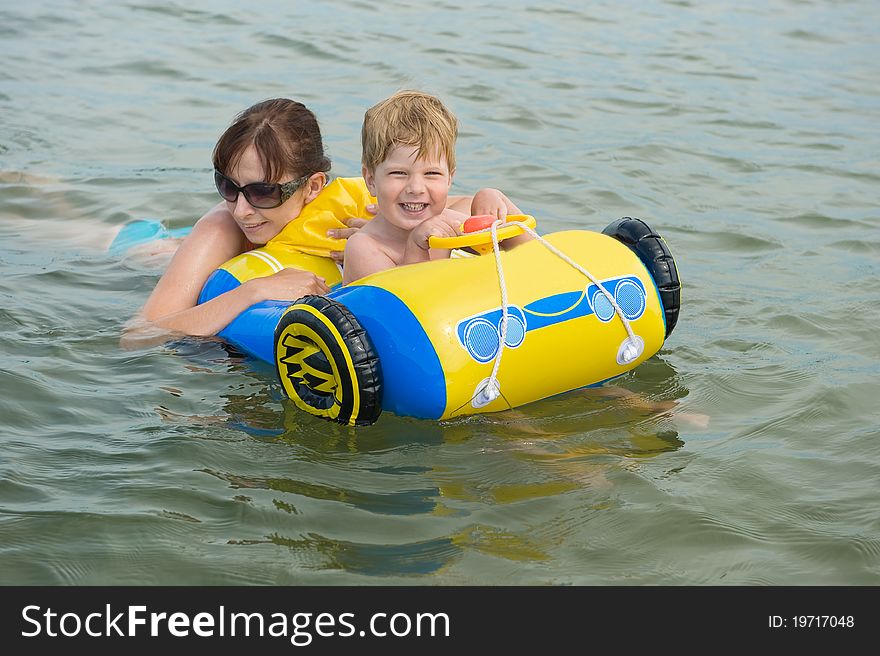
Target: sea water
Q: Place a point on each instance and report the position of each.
(745, 452)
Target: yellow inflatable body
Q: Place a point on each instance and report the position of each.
(430, 340)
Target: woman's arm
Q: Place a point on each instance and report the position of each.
(215, 238)
(211, 317)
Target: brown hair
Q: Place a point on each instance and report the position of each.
(408, 118)
(286, 135)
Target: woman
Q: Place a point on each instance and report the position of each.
(269, 164)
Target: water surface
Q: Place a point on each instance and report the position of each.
(746, 134)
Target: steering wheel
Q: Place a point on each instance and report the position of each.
(482, 241)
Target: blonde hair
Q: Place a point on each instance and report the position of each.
(408, 118)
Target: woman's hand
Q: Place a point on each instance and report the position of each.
(354, 224)
(286, 285)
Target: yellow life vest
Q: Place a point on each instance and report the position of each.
(340, 199)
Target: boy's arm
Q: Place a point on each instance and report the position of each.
(460, 204)
(363, 256)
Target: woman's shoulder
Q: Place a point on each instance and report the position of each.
(217, 218)
(218, 225)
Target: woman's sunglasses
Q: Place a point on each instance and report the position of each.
(261, 195)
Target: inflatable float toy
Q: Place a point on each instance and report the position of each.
(568, 310)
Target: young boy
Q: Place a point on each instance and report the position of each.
(408, 162)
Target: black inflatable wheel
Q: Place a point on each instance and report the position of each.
(654, 253)
(327, 363)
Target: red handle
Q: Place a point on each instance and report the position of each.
(478, 222)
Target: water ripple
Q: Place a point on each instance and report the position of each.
(407, 502)
(305, 49)
(407, 559)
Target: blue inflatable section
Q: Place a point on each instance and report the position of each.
(253, 330)
(628, 292)
(413, 380)
(219, 282)
(413, 383)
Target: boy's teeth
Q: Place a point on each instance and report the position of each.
(414, 207)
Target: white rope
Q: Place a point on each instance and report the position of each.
(492, 388)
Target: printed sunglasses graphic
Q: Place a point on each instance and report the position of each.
(480, 334)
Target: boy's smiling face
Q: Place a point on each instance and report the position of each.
(410, 190)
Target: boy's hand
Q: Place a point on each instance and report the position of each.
(417, 248)
(438, 226)
(494, 202)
